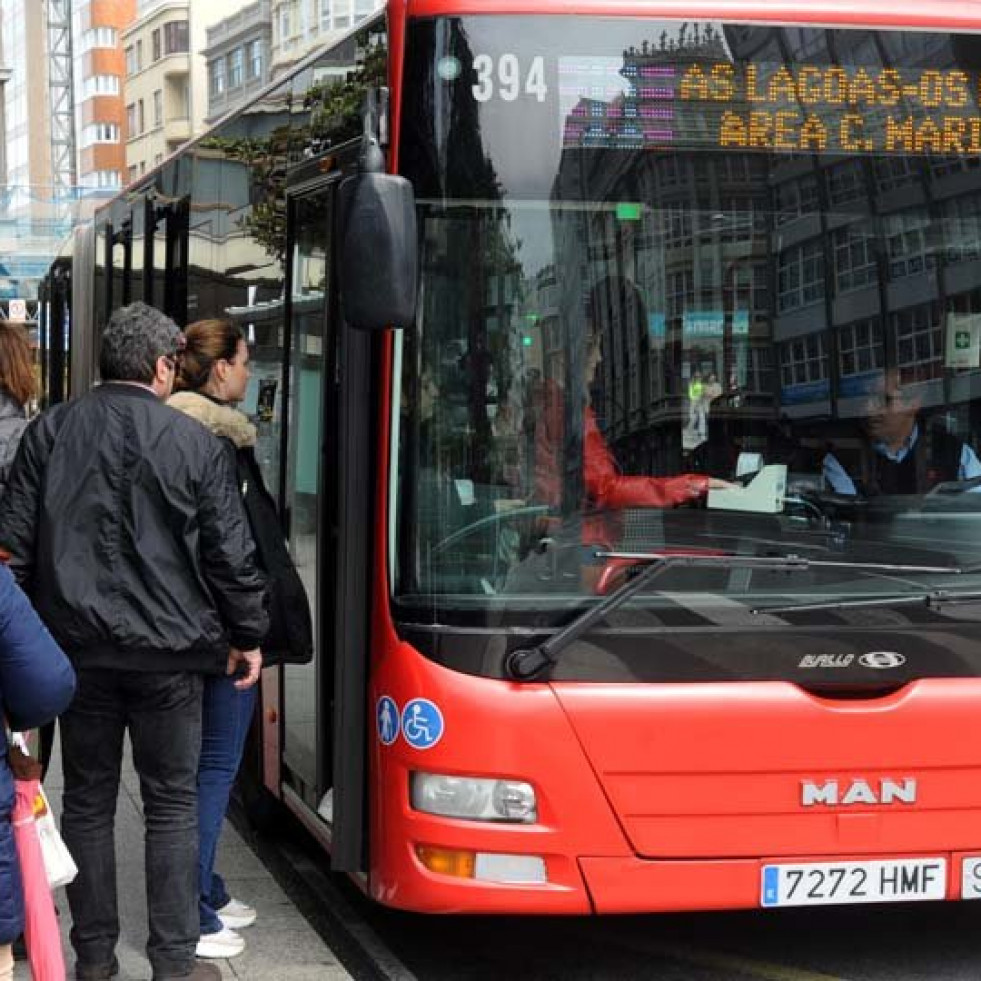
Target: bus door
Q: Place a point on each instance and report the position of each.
(325, 502)
(309, 504)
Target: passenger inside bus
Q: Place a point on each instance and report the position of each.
(606, 488)
(901, 451)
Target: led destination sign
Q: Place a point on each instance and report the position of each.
(796, 109)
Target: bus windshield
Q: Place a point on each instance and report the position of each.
(689, 288)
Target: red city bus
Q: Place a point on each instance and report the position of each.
(627, 442)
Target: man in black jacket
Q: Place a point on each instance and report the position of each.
(124, 522)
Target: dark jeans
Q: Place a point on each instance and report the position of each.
(163, 714)
(225, 724)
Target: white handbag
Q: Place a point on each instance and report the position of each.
(58, 862)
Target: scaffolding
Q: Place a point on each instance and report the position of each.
(61, 96)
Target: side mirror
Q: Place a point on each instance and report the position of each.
(379, 251)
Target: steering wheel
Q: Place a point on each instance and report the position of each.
(955, 486)
(531, 510)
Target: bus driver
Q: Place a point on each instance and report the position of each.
(899, 453)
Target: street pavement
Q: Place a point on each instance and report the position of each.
(281, 946)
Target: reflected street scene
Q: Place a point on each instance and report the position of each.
(691, 287)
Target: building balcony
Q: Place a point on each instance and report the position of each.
(175, 65)
(177, 130)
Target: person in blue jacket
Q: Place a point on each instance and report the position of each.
(36, 685)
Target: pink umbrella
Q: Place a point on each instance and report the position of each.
(41, 933)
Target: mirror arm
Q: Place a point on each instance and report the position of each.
(374, 120)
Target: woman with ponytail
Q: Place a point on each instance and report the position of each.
(214, 374)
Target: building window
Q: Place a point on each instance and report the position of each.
(158, 108)
(140, 116)
(670, 173)
(181, 98)
(792, 199)
(860, 347)
(176, 37)
(800, 276)
(919, 343)
(236, 68)
(132, 173)
(102, 179)
(131, 68)
(139, 56)
(680, 294)
(893, 172)
(255, 59)
(100, 85)
(854, 258)
(217, 76)
(743, 217)
(679, 225)
(759, 371)
(961, 218)
(155, 43)
(100, 133)
(747, 289)
(131, 120)
(941, 166)
(99, 37)
(907, 243)
(846, 182)
(285, 22)
(157, 159)
(803, 360)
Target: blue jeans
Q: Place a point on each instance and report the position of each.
(224, 726)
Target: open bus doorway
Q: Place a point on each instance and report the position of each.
(309, 504)
(326, 508)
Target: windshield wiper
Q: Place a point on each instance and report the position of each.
(524, 663)
(932, 600)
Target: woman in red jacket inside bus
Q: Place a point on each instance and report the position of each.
(606, 489)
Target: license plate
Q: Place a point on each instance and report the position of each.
(827, 883)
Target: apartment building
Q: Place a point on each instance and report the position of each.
(237, 57)
(98, 70)
(166, 77)
(26, 101)
(301, 26)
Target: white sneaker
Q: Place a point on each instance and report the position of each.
(236, 915)
(224, 943)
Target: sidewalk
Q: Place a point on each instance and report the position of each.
(281, 946)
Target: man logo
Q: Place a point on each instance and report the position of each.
(882, 660)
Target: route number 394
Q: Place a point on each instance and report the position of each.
(506, 78)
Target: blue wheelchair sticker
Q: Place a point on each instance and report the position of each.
(387, 717)
(422, 723)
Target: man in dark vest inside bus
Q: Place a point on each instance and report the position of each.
(901, 454)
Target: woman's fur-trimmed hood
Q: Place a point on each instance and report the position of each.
(222, 420)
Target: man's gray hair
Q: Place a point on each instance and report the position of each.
(134, 338)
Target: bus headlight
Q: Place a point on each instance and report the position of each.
(473, 798)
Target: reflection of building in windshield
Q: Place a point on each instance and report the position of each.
(688, 231)
(826, 266)
(875, 256)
